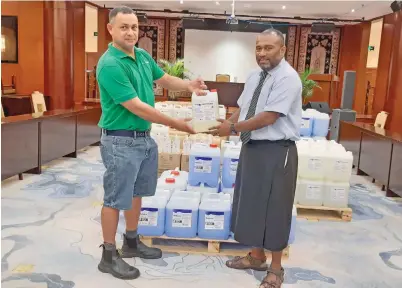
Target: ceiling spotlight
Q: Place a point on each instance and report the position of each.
(181, 1)
(353, 10)
(217, 3)
(283, 7)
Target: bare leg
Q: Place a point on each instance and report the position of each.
(132, 216)
(276, 263)
(275, 273)
(110, 220)
(258, 253)
(132, 245)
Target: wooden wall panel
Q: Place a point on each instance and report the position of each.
(388, 95)
(384, 62)
(59, 46)
(79, 51)
(353, 57)
(29, 70)
(393, 105)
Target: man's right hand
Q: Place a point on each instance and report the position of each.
(183, 125)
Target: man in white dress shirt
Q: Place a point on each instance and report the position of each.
(268, 119)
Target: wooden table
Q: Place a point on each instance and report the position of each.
(376, 152)
(15, 104)
(28, 141)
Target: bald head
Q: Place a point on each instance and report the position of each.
(275, 33)
(270, 49)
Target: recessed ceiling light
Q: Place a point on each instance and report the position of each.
(353, 10)
(181, 1)
(217, 3)
(283, 7)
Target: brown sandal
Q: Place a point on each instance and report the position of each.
(277, 283)
(247, 262)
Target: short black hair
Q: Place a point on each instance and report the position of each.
(277, 33)
(120, 9)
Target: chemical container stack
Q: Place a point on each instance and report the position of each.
(204, 167)
(152, 217)
(324, 173)
(231, 157)
(214, 216)
(314, 124)
(182, 214)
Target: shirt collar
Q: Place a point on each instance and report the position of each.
(273, 71)
(118, 53)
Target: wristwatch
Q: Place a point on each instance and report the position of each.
(232, 129)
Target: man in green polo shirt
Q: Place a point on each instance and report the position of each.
(125, 76)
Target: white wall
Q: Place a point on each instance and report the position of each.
(207, 53)
(375, 40)
(91, 26)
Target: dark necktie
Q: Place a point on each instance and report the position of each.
(245, 136)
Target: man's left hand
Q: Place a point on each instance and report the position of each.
(198, 87)
(221, 130)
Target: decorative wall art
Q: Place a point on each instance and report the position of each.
(319, 52)
(176, 40)
(152, 39)
(291, 44)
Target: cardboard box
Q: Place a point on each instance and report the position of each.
(168, 161)
(185, 159)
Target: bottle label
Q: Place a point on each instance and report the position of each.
(214, 220)
(338, 194)
(233, 166)
(204, 111)
(313, 192)
(314, 164)
(149, 217)
(182, 218)
(305, 123)
(203, 165)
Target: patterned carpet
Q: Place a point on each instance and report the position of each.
(51, 236)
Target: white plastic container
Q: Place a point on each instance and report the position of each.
(175, 174)
(164, 108)
(152, 217)
(215, 197)
(172, 184)
(202, 189)
(339, 168)
(312, 160)
(336, 194)
(230, 163)
(214, 219)
(204, 165)
(205, 111)
(187, 195)
(310, 193)
(167, 193)
(181, 217)
(321, 125)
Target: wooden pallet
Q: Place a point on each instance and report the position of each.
(317, 213)
(201, 246)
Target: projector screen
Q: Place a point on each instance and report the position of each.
(207, 53)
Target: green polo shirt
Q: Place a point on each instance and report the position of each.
(121, 78)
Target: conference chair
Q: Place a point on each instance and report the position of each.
(222, 78)
(38, 102)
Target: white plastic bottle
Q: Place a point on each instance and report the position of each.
(205, 111)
